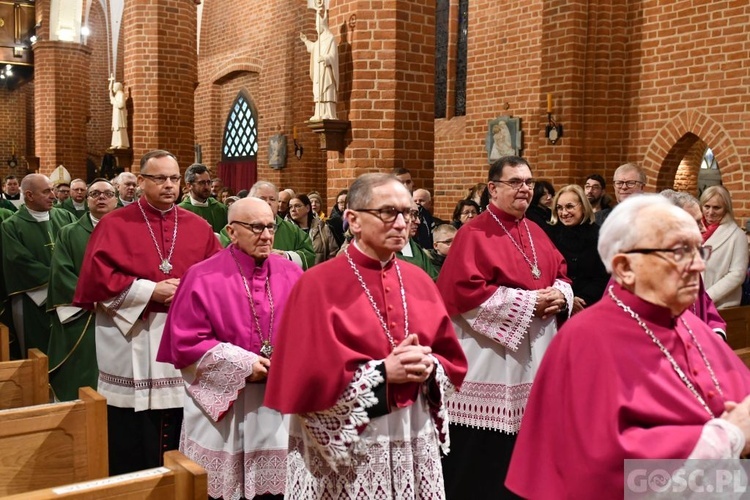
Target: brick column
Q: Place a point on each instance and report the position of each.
(387, 77)
(61, 105)
(161, 74)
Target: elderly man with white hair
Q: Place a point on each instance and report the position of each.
(637, 375)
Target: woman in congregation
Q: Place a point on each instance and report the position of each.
(316, 202)
(540, 208)
(726, 270)
(575, 233)
(465, 211)
(301, 213)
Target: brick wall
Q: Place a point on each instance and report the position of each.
(13, 118)
(61, 105)
(160, 74)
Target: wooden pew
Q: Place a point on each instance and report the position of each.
(738, 326)
(4, 343)
(24, 382)
(179, 479)
(51, 445)
(744, 355)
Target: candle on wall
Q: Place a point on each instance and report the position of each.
(549, 103)
(294, 132)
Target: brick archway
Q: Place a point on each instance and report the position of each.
(674, 140)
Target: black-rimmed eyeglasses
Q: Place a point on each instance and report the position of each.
(627, 184)
(389, 214)
(257, 227)
(161, 179)
(96, 194)
(517, 183)
(680, 253)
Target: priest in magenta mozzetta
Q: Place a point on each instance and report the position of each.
(637, 375)
(221, 332)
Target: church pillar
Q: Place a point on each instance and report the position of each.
(386, 60)
(61, 105)
(160, 75)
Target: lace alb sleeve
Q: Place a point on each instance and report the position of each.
(335, 431)
(505, 316)
(217, 378)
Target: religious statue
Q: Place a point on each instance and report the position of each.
(324, 66)
(118, 100)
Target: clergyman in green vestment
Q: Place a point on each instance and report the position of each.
(76, 204)
(72, 346)
(28, 238)
(198, 199)
(5, 316)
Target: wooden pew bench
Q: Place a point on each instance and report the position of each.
(179, 479)
(4, 343)
(24, 382)
(738, 326)
(50, 445)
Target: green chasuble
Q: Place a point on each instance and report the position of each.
(6, 205)
(215, 213)
(419, 259)
(27, 253)
(72, 349)
(68, 205)
(290, 238)
(6, 317)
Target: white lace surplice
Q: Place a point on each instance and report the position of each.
(244, 452)
(396, 456)
(504, 343)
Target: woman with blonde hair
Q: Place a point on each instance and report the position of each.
(725, 271)
(574, 232)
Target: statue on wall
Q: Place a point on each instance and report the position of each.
(118, 99)
(324, 66)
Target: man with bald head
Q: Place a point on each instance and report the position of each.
(290, 241)
(72, 349)
(28, 238)
(133, 264)
(222, 338)
(76, 203)
(126, 183)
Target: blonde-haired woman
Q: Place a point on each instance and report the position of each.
(727, 267)
(574, 232)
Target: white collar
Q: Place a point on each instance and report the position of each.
(78, 206)
(197, 203)
(38, 216)
(94, 220)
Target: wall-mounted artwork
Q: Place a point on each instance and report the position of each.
(504, 138)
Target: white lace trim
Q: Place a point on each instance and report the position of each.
(719, 439)
(220, 375)
(567, 291)
(439, 412)
(333, 432)
(506, 315)
(235, 475)
(387, 469)
(498, 407)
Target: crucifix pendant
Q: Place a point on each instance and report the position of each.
(536, 273)
(266, 349)
(165, 266)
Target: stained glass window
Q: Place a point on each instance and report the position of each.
(241, 130)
